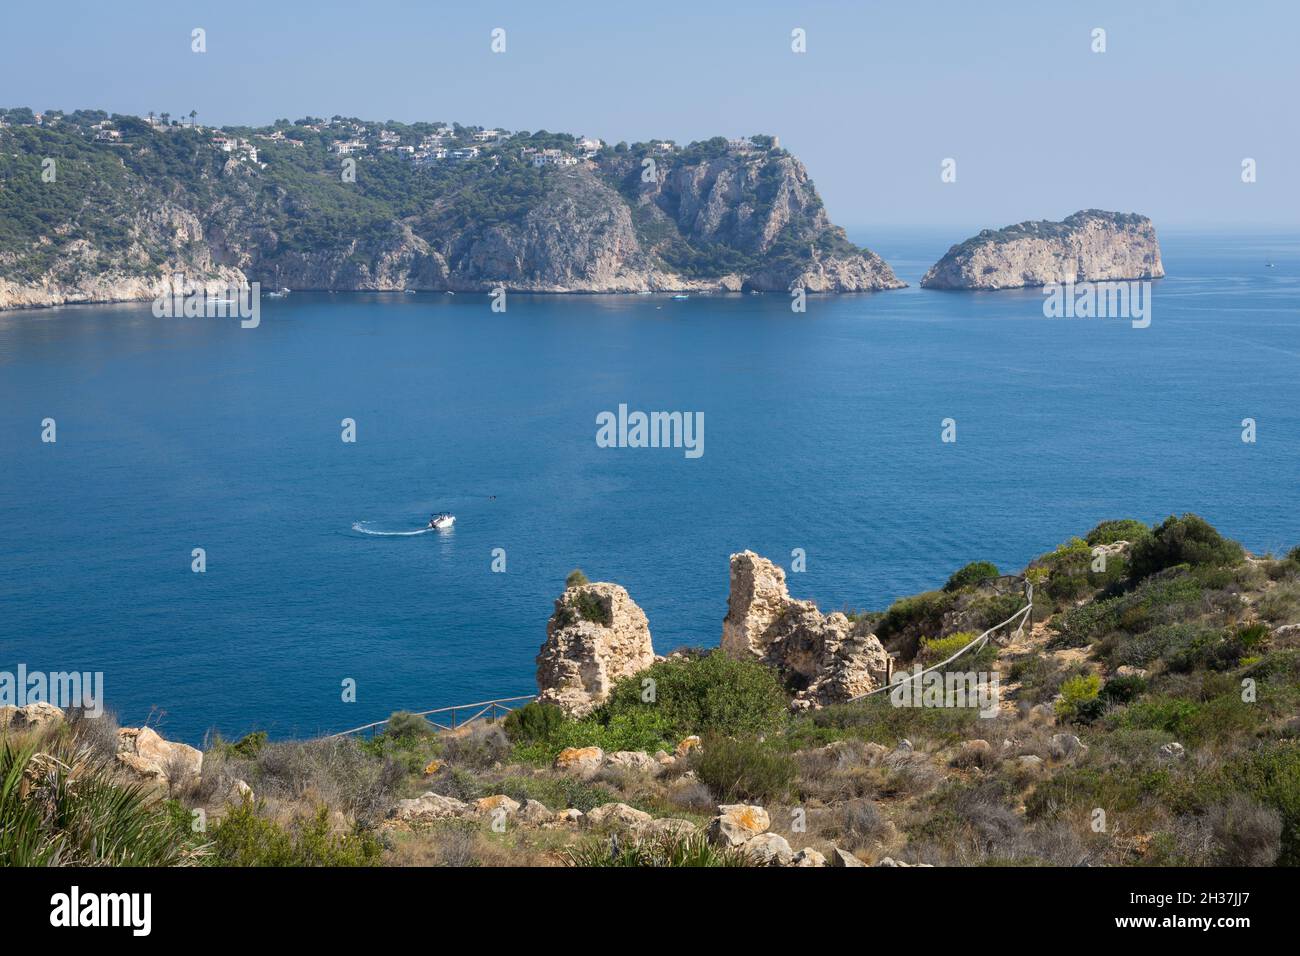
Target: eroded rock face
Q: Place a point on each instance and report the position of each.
(597, 636)
(30, 716)
(1092, 245)
(825, 659)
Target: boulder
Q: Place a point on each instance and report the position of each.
(840, 857)
(30, 716)
(1043, 714)
(634, 761)
(808, 857)
(1173, 751)
(686, 746)
(581, 761)
(496, 806)
(669, 827)
(1030, 762)
(737, 823)
(535, 813)
(829, 658)
(1065, 746)
(768, 849)
(617, 815)
(568, 818)
(890, 861)
(596, 636)
(144, 753)
(428, 807)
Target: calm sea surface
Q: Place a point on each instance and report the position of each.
(822, 432)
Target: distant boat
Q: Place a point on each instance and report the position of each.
(681, 295)
(410, 292)
(280, 294)
(441, 521)
(1268, 265)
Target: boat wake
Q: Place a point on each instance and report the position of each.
(361, 527)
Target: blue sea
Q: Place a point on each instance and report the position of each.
(822, 433)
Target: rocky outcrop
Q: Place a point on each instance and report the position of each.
(145, 754)
(30, 716)
(597, 636)
(1091, 245)
(823, 659)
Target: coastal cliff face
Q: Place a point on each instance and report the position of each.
(125, 215)
(1091, 245)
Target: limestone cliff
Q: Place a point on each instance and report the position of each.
(823, 659)
(1091, 245)
(123, 216)
(596, 636)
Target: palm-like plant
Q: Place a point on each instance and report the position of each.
(59, 806)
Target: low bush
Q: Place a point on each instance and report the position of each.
(1080, 701)
(972, 574)
(245, 838)
(1187, 540)
(744, 769)
(1124, 529)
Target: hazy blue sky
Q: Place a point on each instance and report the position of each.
(1039, 125)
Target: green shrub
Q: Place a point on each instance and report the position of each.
(533, 723)
(688, 850)
(1124, 529)
(404, 725)
(590, 607)
(936, 649)
(576, 579)
(1123, 689)
(1271, 775)
(743, 769)
(1187, 540)
(710, 694)
(973, 573)
(1079, 698)
(909, 618)
(245, 838)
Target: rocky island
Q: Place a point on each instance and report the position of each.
(1089, 246)
(100, 208)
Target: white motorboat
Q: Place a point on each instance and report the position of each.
(441, 521)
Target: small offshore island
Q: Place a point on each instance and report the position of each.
(1090, 246)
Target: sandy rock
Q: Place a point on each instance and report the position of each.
(497, 806)
(635, 761)
(1173, 751)
(737, 823)
(972, 752)
(582, 659)
(768, 849)
(568, 818)
(535, 813)
(428, 807)
(686, 746)
(239, 792)
(808, 857)
(142, 751)
(890, 861)
(669, 827)
(1065, 746)
(829, 657)
(617, 814)
(839, 858)
(1128, 670)
(580, 761)
(30, 716)
(1043, 714)
(1030, 762)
